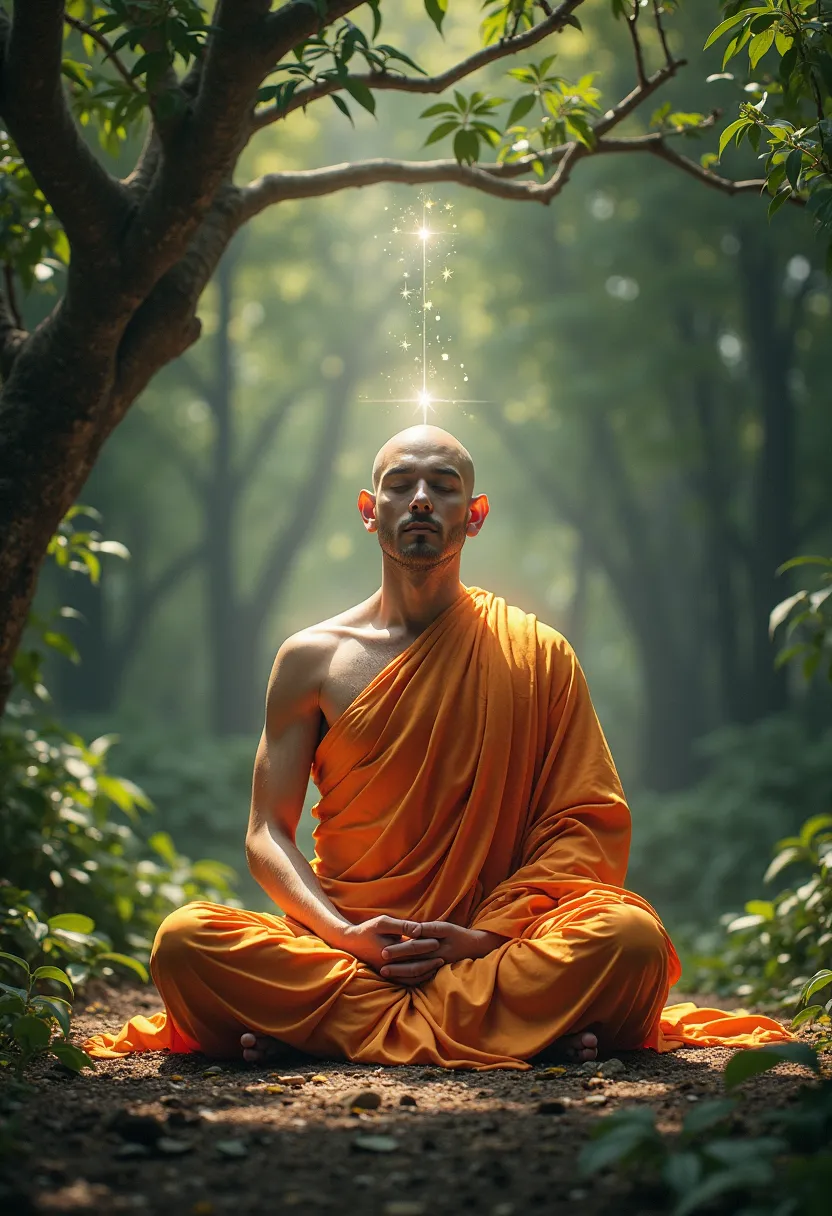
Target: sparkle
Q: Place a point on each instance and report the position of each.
(424, 233)
(428, 304)
(406, 293)
(449, 206)
(429, 203)
(396, 231)
(447, 274)
(404, 344)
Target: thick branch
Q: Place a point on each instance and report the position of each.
(379, 81)
(90, 204)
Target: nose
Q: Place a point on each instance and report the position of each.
(421, 499)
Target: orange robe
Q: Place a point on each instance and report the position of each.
(469, 782)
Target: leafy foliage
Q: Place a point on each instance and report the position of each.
(29, 1018)
(791, 118)
(807, 616)
(696, 852)
(775, 951)
(784, 1171)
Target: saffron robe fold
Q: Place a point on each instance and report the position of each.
(469, 782)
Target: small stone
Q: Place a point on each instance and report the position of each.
(612, 1068)
(596, 1100)
(593, 1083)
(589, 1068)
(213, 1071)
(232, 1148)
(404, 1207)
(375, 1144)
(362, 1099)
(553, 1106)
(319, 1079)
(407, 1100)
(125, 1152)
(275, 1089)
(692, 1097)
(294, 1079)
(172, 1147)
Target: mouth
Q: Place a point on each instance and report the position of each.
(419, 528)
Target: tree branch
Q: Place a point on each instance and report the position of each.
(382, 81)
(91, 205)
(12, 337)
(91, 32)
(632, 25)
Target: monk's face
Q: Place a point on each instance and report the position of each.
(423, 508)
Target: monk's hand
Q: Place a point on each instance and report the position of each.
(456, 942)
(398, 949)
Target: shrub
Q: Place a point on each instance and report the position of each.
(29, 1019)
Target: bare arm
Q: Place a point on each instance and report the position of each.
(281, 772)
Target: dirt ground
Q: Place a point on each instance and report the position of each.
(175, 1134)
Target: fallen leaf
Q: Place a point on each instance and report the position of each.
(552, 1072)
(232, 1148)
(375, 1144)
(275, 1089)
(176, 1077)
(320, 1079)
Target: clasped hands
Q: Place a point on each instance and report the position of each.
(411, 952)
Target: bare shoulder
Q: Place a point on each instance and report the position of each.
(304, 659)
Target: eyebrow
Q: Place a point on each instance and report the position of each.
(440, 471)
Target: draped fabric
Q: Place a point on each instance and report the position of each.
(470, 782)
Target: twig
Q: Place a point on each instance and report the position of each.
(657, 18)
(379, 81)
(632, 24)
(91, 32)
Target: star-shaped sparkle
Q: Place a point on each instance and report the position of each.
(405, 345)
(429, 203)
(447, 274)
(428, 304)
(406, 293)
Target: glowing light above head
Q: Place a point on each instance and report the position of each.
(424, 233)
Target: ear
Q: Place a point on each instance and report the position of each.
(477, 511)
(367, 510)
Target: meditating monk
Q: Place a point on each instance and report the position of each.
(465, 905)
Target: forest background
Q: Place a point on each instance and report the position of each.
(647, 368)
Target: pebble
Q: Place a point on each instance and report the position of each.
(596, 1100)
(362, 1099)
(232, 1148)
(171, 1147)
(294, 1079)
(593, 1083)
(612, 1068)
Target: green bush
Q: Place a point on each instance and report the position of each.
(71, 843)
(779, 946)
(29, 1019)
(699, 852)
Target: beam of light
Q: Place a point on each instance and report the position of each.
(425, 401)
(424, 234)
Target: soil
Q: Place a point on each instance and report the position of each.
(157, 1133)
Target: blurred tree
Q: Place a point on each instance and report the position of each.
(143, 248)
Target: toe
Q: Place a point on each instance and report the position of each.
(247, 1040)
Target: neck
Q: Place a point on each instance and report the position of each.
(412, 599)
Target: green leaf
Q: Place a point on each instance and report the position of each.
(817, 983)
(441, 107)
(808, 559)
(72, 922)
(784, 858)
(520, 108)
(12, 958)
(813, 826)
(444, 128)
(807, 1015)
(681, 1171)
(778, 201)
(436, 10)
(705, 1114)
(32, 1033)
(759, 45)
(10, 1002)
(363, 95)
(721, 1183)
(126, 961)
(794, 163)
(53, 973)
(755, 1060)
(723, 28)
(761, 907)
(341, 105)
(466, 146)
(162, 844)
(53, 1008)
(731, 131)
(71, 1057)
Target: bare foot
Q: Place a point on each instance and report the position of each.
(571, 1049)
(260, 1049)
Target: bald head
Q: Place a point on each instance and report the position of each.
(420, 441)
